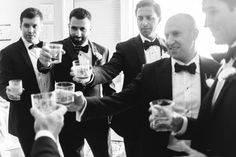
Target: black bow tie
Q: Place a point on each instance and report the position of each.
(190, 68)
(39, 45)
(230, 54)
(81, 48)
(147, 44)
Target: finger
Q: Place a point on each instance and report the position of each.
(62, 109)
(35, 113)
(63, 51)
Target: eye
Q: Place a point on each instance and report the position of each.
(140, 18)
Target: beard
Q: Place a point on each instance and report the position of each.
(78, 40)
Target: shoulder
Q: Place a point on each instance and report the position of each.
(130, 42)
(12, 47)
(99, 47)
(208, 62)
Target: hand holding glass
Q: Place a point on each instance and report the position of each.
(64, 92)
(82, 70)
(15, 89)
(161, 114)
(44, 102)
(55, 52)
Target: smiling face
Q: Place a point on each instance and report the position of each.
(79, 30)
(181, 33)
(221, 20)
(31, 28)
(147, 21)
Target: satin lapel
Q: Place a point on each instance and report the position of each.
(24, 53)
(93, 51)
(69, 48)
(204, 74)
(164, 75)
(140, 50)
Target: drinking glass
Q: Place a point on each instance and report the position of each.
(160, 109)
(82, 69)
(56, 52)
(64, 92)
(44, 102)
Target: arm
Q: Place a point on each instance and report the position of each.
(47, 128)
(6, 72)
(111, 69)
(44, 147)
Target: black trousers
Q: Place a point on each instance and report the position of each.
(96, 132)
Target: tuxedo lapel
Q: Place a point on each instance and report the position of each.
(23, 51)
(94, 51)
(140, 50)
(165, 79)
(204, 74)
(69, 48)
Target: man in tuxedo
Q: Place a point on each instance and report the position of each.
(78, 46)
(180, 78)
(130, 56)
(215, 130)
(18, 61)
(47, 128)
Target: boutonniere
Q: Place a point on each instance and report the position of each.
(98, 55)
(209, 80)
(226, 73)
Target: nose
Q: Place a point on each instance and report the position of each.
(207, 22)
(169, 40)
(31, 29)
(78, 33)
(145, 21)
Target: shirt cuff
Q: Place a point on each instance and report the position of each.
(79, 114)
(183, 128)
(46, 133)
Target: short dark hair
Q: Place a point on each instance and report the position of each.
(149, 3)
(231, 3)
(80, 13)
(31, 13)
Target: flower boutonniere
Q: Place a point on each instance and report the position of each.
(98, 55)
(209, 80)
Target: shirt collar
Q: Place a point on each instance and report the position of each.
(234, 44)
(144, 38)
(26, 43)
(194, 60)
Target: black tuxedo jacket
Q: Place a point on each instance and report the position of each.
(129, 58)
(155, 82)
(61, 72)
(44, 147)
(215, 129)
(15, 63)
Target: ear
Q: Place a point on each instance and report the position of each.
(195, 33)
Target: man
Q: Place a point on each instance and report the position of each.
(130, 56)
(47, 128)
(18, 61)
(180, 78)
(96, 132)
(214, 131)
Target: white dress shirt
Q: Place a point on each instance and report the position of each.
(42, 79)
(186, 91)
(153, 53)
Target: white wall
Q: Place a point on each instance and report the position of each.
(106, 27)
(10, 11)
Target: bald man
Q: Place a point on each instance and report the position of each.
(180, 78)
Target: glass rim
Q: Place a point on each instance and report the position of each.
(67, 84)
(155, 102)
